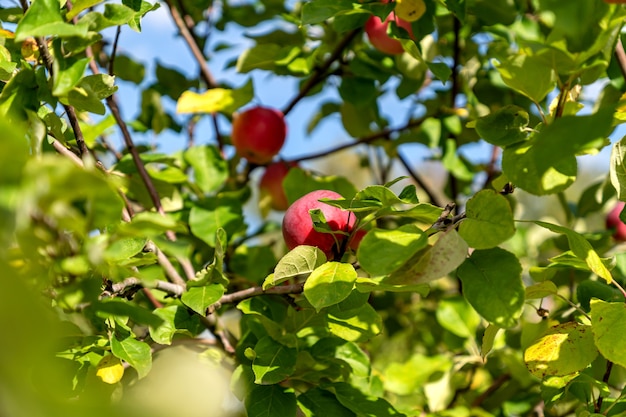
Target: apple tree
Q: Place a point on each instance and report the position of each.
(478, 279)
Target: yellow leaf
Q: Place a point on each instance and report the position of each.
(410, 10)
(110, 369)
(211, 101)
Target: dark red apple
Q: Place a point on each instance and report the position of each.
(259, 133)
(614, 222)
(271, 184)
(376, 31)
(298, 226)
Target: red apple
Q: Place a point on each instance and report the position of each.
(259, 134)
(271, 184)
(298, 226)
(376, 31)
(614, 222)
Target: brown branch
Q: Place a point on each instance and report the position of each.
(114, 50)
(253, 292)
(418, 179)
(501, 380)
(168, 287)
(605, 379)
(384, 134)
(321, 72)
(193, 45)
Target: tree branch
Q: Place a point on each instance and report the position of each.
(320, 73)
(384, 134)
(501, 380)
(253, 292)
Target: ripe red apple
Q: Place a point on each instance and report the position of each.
(376, 31)
(259, 134)
(614, 222)
(271, 184)
(298, 226)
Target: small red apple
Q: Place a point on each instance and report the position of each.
(271, 184)
(259, 134)
(614, 222)
(376, 31)
(298, 226)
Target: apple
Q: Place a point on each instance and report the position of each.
(376, 31)
(259, 134)
(298, 226)
(614, 222)
(271, 184)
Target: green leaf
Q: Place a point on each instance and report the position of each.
(488, 222)
(273, 362)
(447, 254)
(317, 11)
(150, 224)
(67, 75)
(360, 403)
(618, 168)
(270, 401)
(200, 298)
(528, 75)
(129, 70)
(123, 308)
(546, 164)
(503, 127)
(298, 263)
(488, 339)
(329, 284)
(209, 167)
(136, 353)
(581, 248)
(608, 322)
(176, 319)
(458, 317)
(401, 378)
(440, 70)
(79, 6)
(207, 216)
(492, 283)
(299, 182)
(381, 252)
(564, 349)
(263, 56)
(355, 325)
(43, 18)
(317, 402)
(252, 262)
(540, 290)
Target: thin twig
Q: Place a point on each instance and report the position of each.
(253, 292)
(114, 51)
(501, 380)
(418, 179)
(320, 73)
(383, 134)
(193, 45)
(605, 379)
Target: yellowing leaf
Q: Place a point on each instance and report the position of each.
(215, 100)
(211, 101)
(410, 10)
(110, 370)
